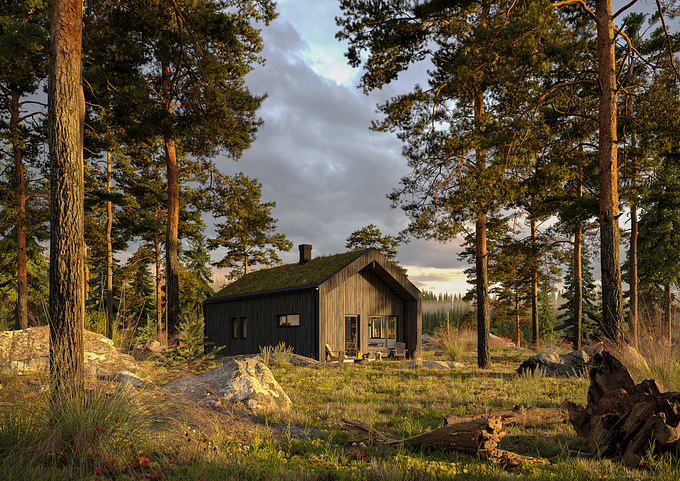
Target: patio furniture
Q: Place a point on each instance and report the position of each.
(332, 355)
(399, 351)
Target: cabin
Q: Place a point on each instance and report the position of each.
(354, 301)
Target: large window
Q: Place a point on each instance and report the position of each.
(289, 320)
(376, 327)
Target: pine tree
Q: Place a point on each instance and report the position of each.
(178, 70)
(24, 53)
(370, 236)
(248, 230)
(591, 313)
(660, 236)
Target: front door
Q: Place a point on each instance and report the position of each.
(351, 335)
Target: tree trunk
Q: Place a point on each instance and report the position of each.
(67, 267)
(667, 325)
(21, 193)
(633, 281)
(534, 288)
(109, 253)
(481, 258)
(612, 301)
(578, 289)
(517, 326)
(162, 328)
(172, 237)
(519, 415)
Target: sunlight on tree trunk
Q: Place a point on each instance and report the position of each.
(612, 301)
(67, 266)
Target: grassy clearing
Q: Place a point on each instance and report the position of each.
(121, 434)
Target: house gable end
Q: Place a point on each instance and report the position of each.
(381, 267)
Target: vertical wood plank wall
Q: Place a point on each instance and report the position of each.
(363, 294)
(263, 330)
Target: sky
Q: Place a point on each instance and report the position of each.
(316, 157)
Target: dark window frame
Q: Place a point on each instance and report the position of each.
(283, 320)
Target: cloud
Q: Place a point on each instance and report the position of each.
(316, 155)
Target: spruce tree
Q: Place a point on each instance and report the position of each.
(566, 321)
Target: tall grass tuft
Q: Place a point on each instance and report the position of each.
(453, 342)
(283, 354)
(109, 424)
(656, 359)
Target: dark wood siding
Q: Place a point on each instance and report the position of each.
(263, 330)
(362, 294)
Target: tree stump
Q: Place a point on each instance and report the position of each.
(625, 419)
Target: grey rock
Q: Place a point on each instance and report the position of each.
(27, 351)
(553, 364)
(434, 364)
(244, 379)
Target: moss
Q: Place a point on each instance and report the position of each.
(291, 275)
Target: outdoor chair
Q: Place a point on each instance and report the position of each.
(399, 351)
(332, 355)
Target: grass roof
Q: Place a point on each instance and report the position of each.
(313, 272)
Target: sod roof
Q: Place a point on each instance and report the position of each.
(287, 276)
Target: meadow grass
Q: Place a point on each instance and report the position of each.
(126, 434)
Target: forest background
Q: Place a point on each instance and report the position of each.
(129, 174)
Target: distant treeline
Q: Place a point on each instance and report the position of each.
(438, 309)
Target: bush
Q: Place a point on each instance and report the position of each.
(455, 343)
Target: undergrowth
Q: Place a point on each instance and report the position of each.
(126, 434)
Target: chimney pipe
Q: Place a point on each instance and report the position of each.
(305, 253)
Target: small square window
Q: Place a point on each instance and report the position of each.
(289, 319)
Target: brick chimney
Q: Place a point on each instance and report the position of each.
(305, 253)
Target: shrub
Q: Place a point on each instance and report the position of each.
(454, 342)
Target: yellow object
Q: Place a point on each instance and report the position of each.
(359, 355)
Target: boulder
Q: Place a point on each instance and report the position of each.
(27, 351)
(429, 343)
(242, 378)
(553, 364)
(434, 364)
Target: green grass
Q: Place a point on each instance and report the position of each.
(137, 436)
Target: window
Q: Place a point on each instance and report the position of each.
(376, 327)
(234, 328)
(289, 320)
(244, 327)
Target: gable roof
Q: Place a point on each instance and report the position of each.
(317, 272)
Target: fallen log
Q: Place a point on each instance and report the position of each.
(470, 437)
(520, 416)
(477, 437)
(624, 419)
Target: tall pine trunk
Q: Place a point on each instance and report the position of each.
(578, 289)
(67, 264)
(21, 195)
(172, 237)
(109, 252)
(667, 307)
(633, 277)
(534, 287)
(161, 327)
(481, 259)
(612, 299)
